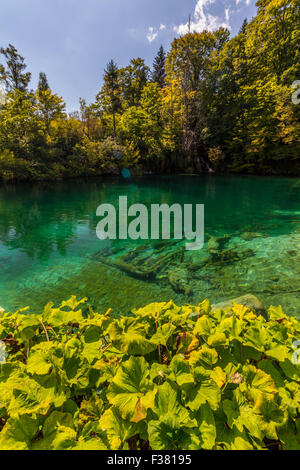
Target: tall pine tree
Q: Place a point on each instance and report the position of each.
(109, 98)
(243, 27)
(43, 82)
(159, 71)
(50, 106)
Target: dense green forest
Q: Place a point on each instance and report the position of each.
(212, 103)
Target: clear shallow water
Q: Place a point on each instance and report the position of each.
(49, 249)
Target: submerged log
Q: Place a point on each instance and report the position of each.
(133, 270)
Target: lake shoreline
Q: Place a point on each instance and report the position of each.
(114, 175)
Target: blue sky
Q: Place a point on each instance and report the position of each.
(72, 41)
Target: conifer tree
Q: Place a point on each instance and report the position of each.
(159, 71)
(244, 26)
(50, 106)
(110, 96)
(43, 82)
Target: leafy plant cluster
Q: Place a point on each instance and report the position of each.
(166, 377)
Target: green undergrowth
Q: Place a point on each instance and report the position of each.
(166, 377)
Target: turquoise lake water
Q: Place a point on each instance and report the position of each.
(49, 249)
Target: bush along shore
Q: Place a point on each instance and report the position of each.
(164, 378)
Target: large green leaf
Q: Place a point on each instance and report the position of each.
(217, 339)
(129, 336)
(205, 390)
(204, 356)
(163, 334)
(291, 370)
(259, 380)
(18, 433)
(73, 303)
(58, 432)
(28, 327)
(43, 358)
(203, 326)
(131, 391)
(271, 416)
(290, 398)
(257, 338)
(168, 401)
(167, 433)
(207, 427)
(117, 429)
(289, 436)
(180, 370)
(280, 353)
(30, 396)
(92, 437)
(231, 439)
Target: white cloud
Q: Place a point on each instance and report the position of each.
(227, 14)
(203, 20)
(237, 2)
(153, 32)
